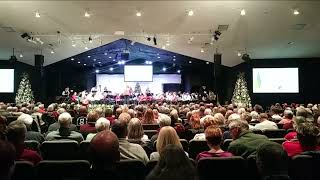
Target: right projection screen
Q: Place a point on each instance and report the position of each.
(275, 80)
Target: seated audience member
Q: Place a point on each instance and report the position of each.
(124, 117)
(287, 119)
(131, 113)
(7, 157)
(148, 117)
(164, 120)
(64, 132)
(173, 165)
(135, 132)
(167, 135)
(301, 111)
(213, 135)
(109, 115)
(195, 123)
(156, 115)
(55, 126)
(254, 116)
(101, 125)
(272, 162)
(232, 117)
(246, 116)
(128, 150)
(100, 112)
(308, 140)
(264, 123)
(296, 121)
(104, 152)
(258, 108)
(244, 141)
(208, 121)
(3, 127)
(30, 135)
(92, 117)
(16, 133)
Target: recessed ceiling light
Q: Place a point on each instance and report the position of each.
(138, 13)
(89, 56)
(97, 71)
(110, 57)
(113, 60)
(167, 44)
(174, 59)
(86, 48)
(164, 69)
(163, 47)
(239, 54)
(111, 69)
(243, 12)
(21, 55)
(174, 56)
(52, 51)
(72, 59)
(87, 14)
(190, 62)
(202, 51)
(207, 62)
(84, 64)
(99, 62)
(37, 14)
(296, 12)
(190, 13)
(178, 71)
(79, 62)
(73, 45)
(105, 53)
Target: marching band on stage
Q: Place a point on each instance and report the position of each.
(99, 95)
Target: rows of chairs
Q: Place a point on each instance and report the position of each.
(71, 150)
(301, 167)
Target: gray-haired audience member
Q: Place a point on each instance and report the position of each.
(244, 141)
(64, 132)
(30, 135)
(101, 125)
(272, 162)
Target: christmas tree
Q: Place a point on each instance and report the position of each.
(241, 93)
(24, 93)
(137, 88)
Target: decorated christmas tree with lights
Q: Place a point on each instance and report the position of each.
(241, 95)
(24, 93)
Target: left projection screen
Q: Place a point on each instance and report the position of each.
(6, 80)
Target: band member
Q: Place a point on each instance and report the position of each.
(127, 93)
(66, 92)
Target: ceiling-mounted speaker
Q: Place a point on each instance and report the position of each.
(38, 60)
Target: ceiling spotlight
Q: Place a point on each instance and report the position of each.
(138, 13)
(84, 64)
(87, 14)
(52, 51)
(164, 69)
(243, 12)
(113, 60)
(99, 62)
(167, 44)
(190, 13)
(190, 62)
(37, 14)
(174, 56)
(21, 56)
(239, 54)
(105, 53)
(73, 45)
(110, 57)
(72, 59)
(174, 59)
(202, 51)
(163, 47)
(86, 48)
(178, 71)
(97, 71)
(207, 62)
(158, 57)
(89, 56)
(90, 39)
(296, 12)
(94, 59)
(111, 69)
(78, 62)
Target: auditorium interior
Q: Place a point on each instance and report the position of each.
(160, 89)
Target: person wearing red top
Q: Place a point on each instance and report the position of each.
(296, 121)
(92, 117)
(308, 135)
(16, 131)
(213, 137)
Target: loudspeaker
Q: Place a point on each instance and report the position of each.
(217, 65)
(38, 60)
